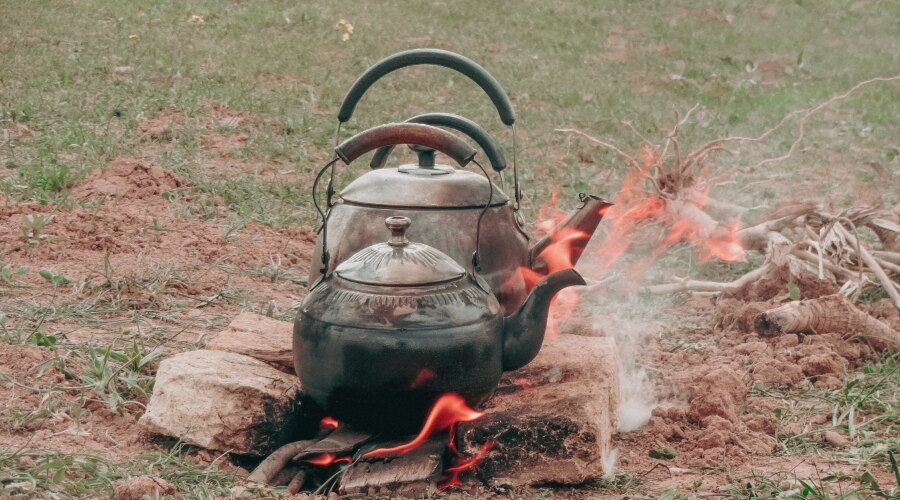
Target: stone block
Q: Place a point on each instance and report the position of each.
(260, 337)
(223, 401)
(551, 421)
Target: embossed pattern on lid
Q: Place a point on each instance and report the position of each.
(399, 262)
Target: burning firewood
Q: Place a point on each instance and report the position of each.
(266, 471)
(667, 192)
(832, 313)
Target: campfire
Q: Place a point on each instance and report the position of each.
(341, 459)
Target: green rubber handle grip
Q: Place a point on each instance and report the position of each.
(435, 57)
(464, 125)
(405, 133)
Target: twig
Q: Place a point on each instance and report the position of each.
(892, 257)
(711, 286)
(819, 260)
(887, 265)
(605, 144)
(806, 114)
(876, 269)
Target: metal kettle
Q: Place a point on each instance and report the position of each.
(398, 324)
(445, 203)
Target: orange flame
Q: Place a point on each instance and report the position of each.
(465, 464)
(558, 255)
(326, 459)
(329, 422)
(634, 204)
(449, 409)
(549, 216)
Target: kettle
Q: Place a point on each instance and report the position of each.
(445, 203)
(396, 325)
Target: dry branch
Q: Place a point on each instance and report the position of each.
(777, 254)
(266, 471)
(826, 264)
(829, 314)
(892, 257)
(876, 269)
(712, 286)
(723, 210)
(758, 236)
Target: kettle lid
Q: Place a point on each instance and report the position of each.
(398, 262)
(408, 188)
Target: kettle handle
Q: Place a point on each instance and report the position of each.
(436, 57)
(464, 125)
(405, 133)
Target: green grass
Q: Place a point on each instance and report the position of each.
(866, 410)
(64, 113)
(57, 475)
(285, 63)
(822, 486)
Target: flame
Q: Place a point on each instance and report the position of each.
(465, 463)
(329, 422)
(326, 459)
(558, 255)
(679, 221)
(449, 409)
(549, 215)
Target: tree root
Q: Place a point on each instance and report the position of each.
(832, 313)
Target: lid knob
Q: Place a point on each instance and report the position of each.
(398, 226)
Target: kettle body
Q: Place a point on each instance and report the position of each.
(398, 324)
(380, 338)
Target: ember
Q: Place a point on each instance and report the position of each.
(329, 422)
(326, 459)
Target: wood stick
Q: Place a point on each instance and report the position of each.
(887, 265)
(711, 286)
(827, 264)
(758, 236)
(892, 257)
(296, 482)
(272, 465)
(723, 210)
(876, 269)
(828, 314)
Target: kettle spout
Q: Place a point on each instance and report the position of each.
(523, 331)
(584, 219)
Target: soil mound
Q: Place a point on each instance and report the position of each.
(163, 126)
(128, 178)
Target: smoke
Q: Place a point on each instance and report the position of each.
(635, 321)
(625, 319)
(610, 459)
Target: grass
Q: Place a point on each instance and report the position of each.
(821, 487)
(866, 410)
(572, 64)
(76, 79)
(56, 475)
